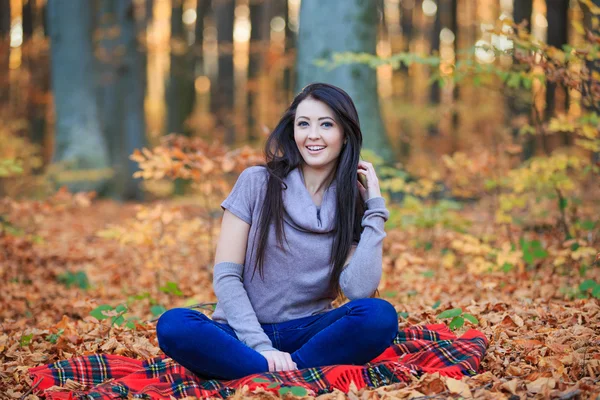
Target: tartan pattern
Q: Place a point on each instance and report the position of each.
(414, 351)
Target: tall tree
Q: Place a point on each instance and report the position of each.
(4, 48)
(222, 90)
(434, 89)
(353, 29)
(590, 89)
(180, 87)
(38, 90)
(202, 10)
(122, 91)
(79, 143)
(557, 16)
(27, 18)
(519, 101)
(259, 42)
(453, 25)
(406, 24)
(290, 48)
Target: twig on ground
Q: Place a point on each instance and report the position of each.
(31, 389)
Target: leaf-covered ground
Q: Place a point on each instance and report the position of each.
(543, 325)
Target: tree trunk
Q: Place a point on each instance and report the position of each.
(27, 19)
(519, 101)
(180, 88)
(353, 29)
(5, 21)
(434, 89)
(557, 13)
(406, 25)
(290, 48)
(591, 102)
(259, 42)
(133, 78)
(222, 91)
(109, 99)
(202, 10)
(121, 94)
(454, 27)
(79, 144)
(40, 86)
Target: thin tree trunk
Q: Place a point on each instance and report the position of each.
(27, 19)
(202, 10)
(591, 101)
(79, 144)
(38, 90)
(434, 90)
(180, 88)
(407, 26)
(133, 78)
(353, 29)
(519, 101)
(222, 93)
(290, 48)
(259, 41)
(5, 21)
(454, 27)
(557, 13)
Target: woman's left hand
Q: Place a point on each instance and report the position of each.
(367, 170)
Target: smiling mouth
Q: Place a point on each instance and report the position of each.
(318, 150)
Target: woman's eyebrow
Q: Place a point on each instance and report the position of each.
(302, 116)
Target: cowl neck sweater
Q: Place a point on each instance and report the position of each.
(301, 211)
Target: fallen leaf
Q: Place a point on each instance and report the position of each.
(459, 387)
(540, 384)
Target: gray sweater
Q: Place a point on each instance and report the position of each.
(296, 280)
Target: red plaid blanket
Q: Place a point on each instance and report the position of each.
(415, 350)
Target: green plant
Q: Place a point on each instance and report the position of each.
(25, 340)
(78, 279)
(283, 390)
(458, 318)
(590, 286)
(53, 337)
(171, 288)
(116, 315)
(532, 251)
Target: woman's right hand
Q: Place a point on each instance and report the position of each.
(279, 360)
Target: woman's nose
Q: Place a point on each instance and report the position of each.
(314, 133)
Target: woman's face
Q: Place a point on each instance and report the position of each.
(315, 127)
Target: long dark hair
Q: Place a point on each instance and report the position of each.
(282, 156)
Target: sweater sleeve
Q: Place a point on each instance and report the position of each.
(241, 199)
(362, 275)
(230, 292)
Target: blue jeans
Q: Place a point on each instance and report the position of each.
(354, 333)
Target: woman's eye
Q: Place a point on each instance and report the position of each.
(328, 124)
(301, 122)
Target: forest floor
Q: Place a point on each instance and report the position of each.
(543, 328)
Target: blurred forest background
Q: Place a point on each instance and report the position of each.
(482, 118)
(83, 84)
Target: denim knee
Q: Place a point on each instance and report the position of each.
(380, 315)
(170, 328)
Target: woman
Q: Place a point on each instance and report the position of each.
(300, 222)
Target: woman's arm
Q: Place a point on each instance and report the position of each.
(361, 276)
(228, 286)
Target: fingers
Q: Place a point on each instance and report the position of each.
(290, 363)
(271, 363)
(284, 362)
(279, 361)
